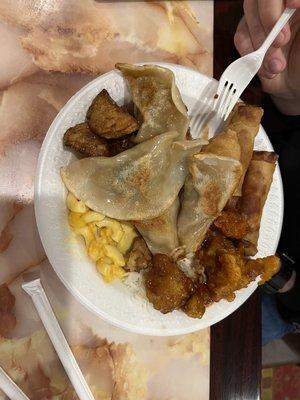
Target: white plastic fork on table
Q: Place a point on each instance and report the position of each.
(235, 79)
(34, 288)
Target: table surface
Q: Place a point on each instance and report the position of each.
(235, 367)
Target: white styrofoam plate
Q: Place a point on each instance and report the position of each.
(116, 303)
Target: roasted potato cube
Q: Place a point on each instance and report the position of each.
(106, 119)
(167, 287)
(139, 256)
(81, 139)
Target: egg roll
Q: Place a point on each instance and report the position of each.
(255, 190)
(245, 120)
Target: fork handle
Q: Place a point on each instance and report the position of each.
(40, 300)
(286, 15)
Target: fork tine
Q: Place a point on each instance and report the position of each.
(229, 102)
(233, 101)
(223, 97)
(201, 116)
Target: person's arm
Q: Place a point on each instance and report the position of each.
(279, 74)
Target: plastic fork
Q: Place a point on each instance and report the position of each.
(33, 286)
(235, 79)
(238, 74)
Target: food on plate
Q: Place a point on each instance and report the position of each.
(125, 186)
(232, 224)
(167, 287)
(84, 141)
(160, 233)
(196, 305)
(139, 257)
(244, 120)
(214, 174)
(106, 119)
(225, 144)
(226, 270)
(211, 183)
(255, 190)
(158, 100)
(107, 241)
(117, 146)
(164, 205)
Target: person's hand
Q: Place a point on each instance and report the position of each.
(280, 73)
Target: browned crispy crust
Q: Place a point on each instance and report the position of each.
(197, 303)
(232, 224)
(81, 139)
(267, 156)
(255, 190)
(106, 119)
(167, 287)
(227, 270)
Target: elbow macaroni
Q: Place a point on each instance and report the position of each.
(107, 240)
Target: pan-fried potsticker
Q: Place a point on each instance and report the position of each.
(157, 99)
(160, 233)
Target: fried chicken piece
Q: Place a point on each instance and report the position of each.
(232, 224)
(139, 256)
(227, 269)
(167, 287)
(213, 244)
(226, 277)
(265, 267)
(196, 305)
(117, 146)
(106, 119)
(7, 318)
(81, 139)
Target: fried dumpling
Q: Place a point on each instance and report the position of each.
(139, 183)
(160, 233)
(157, 98)
(211, 183)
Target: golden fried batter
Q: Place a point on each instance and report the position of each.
(139, 256)
(265, 267)
(232, 224)
(227, 269)
(214, 243)
(197, 303)
(226, 277)
(81, 139)
(107, 119)
(167, 287)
